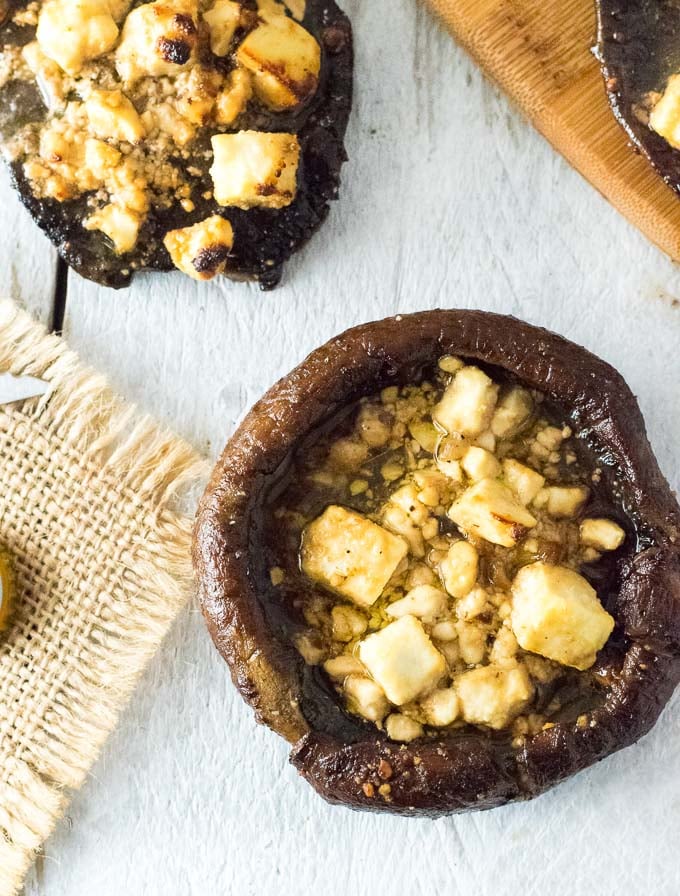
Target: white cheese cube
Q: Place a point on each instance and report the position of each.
(556, 613)
(665, 116)
(479, 463)
(120, 224)
(202, 250)
(285, 61)
(71, 32)
(514, 409)
(423, 601)
(562, 501)
(459, 568)
(223, 19)
(158, 38)
(602, 534)
(402, 728)
(525, 482)
(253, 168)
(490, 511)
(467, 405)
(493, 695)
(441, 707)
(403, 660)
(350, 554)
(366, 698)
(112, 116)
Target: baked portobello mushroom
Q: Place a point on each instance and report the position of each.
(205, 135)
(441, 561)
(639, 50)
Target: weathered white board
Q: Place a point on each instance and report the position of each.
(28, 263)
(450, 199)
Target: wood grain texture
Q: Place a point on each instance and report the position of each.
(28, 262)
(449, 200)
(539, 52)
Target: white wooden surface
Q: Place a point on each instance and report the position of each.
(449, 200)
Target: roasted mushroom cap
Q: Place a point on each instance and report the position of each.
(639, 49)
(468, 770)
(263, 238)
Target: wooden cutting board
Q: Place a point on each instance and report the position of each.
(540, 53)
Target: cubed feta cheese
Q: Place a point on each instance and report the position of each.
(524, 482)
(402, 728)
(403, 660)
(112, 116)
(467, 405)
(223, 19)
(562, 501)
(423, 601)
(202, 250)
(366, 698)
(665, 116)
(158, 38)
(491, 511)
(285, 60)
(254, 168)
(350, 554)
(441, 707)
(602, 534)
(556, 613)
(120, 224)
(479, 463)
(493, 695)
(514, 409)
(71, 32)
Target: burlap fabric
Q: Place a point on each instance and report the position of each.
(88, 506)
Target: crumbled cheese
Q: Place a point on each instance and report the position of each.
(556, 614)
(253, 169)
(233, 98)
(403, 660)
(423, 601)
(459, 568)
(201, 251)
(348, 623)
(350, 554)
(285, 60)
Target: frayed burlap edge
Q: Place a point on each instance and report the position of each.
(48, 745)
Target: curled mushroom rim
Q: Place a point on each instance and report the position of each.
(471, 770)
